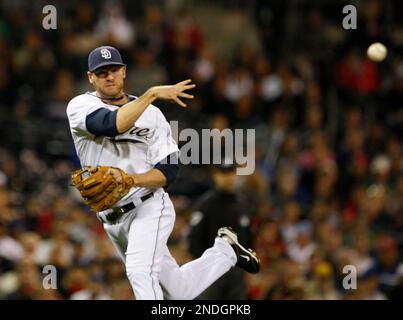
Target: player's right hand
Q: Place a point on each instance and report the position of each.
(174, 92)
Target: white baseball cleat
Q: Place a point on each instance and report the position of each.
(247, 259)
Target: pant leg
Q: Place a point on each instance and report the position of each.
(117, 233)
(141, 242)
(147, 238)
(190, 280)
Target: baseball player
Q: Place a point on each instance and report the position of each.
(130, 135)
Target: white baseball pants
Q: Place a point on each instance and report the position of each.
(141, 239)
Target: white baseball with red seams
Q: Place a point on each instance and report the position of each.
(377, 52)
(140, 236)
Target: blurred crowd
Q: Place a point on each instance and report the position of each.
(327, 191)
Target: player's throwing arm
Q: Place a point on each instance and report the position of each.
(129, 113)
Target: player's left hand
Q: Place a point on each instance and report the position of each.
(101, 187)
(116, 173)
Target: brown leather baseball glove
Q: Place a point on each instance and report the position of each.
(102, 186)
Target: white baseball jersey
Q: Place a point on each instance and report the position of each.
(137, 150)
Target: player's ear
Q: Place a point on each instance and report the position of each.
(89, 74)
(124, 72)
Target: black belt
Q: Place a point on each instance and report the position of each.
(118, 212)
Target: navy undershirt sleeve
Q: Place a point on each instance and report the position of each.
(169, 167)
(102, 122)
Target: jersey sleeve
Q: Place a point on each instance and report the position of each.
(78, 109)
(163, 143)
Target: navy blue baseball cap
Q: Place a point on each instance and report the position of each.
(104, 56)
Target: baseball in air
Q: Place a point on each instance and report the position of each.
(377, 52)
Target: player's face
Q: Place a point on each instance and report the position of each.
(108, 81)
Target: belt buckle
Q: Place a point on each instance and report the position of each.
(119, 212)
(115, 215)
